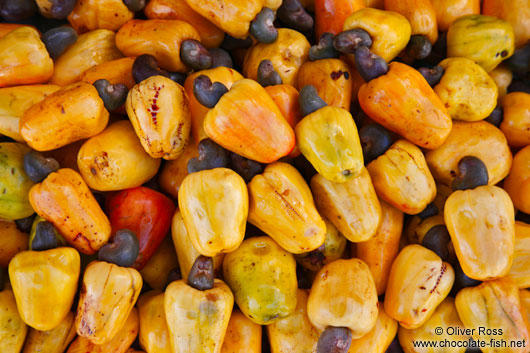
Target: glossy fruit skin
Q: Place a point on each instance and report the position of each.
(344, 284)
(389, 30)
(232, 16)
(5, 28)
(78, 218)
(378, 339)
(480, 139)
(15, 184)
(73, 113)
(391, 100)
(14, 101)
(186, 251)
(242, 335)
(286, 98)
(494, 304)
(12, 242)
(478, 92)
(161, 265)
(224, 75)
(281, 205)
(24, 58)
(115, 159)
(12, 329)
(221, 196)
(207, 313)
(174, 171)
(119, 344)
(331, 78)
(287, 54)
(481, 224)
(519, 271)
(115, 71)
(54, 341)
(420, 14)
(338, 159)
(352, 206)
(449, 10)
(159, 112)
(515, 12)
(160, 38)
(516, 184)
(91, 49)
(516, 107)
(444, 316)
(154, 333)
(211, 36)
(483, 39)
(294, 332)
(418, 282)
(248, 122)
(54, 274)
(401, 177)
(266, 291)
(331, 14)
(524, 296)
(503, 78)
(96, 14)
(380, 251)
(108, 294)
(332, 249)
(147, 213)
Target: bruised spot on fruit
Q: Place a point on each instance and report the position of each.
(208, 308)
(212, 297)
(335, 75)
(191, 315)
